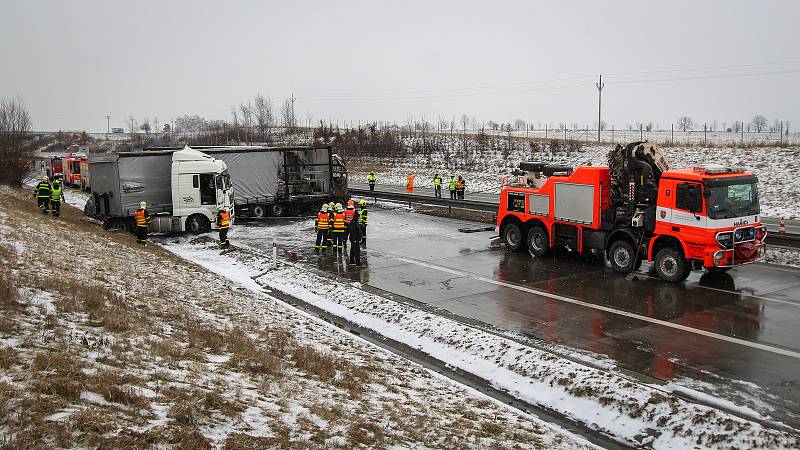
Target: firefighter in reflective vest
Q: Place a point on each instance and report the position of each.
(362, 220)
(372, 179)
(437, 186)
(42, 194)
(410, 183)
(331, 212)
(322, 224)
(452, 187)
(460, 188)
(338, 228)
(224, 224)
(142, 219)
(56, 194)
(349, 214)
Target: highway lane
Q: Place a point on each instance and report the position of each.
(735, 334)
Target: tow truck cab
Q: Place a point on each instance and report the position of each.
(704, 217)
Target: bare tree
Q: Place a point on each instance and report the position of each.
(145, 126)
(464, 121)
(759, 122)
(156, 126)
(263, 114)
(736, 126)
(235, 121)
(15, 124)
(519, 124)
(246, 109)
(685, 123)
(287, 113)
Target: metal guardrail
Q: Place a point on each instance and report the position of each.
(424, 199)
(777, 239)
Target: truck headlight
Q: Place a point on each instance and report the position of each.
(719, 255)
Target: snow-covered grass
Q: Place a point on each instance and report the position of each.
(641, 415)
(106, 344)
(776, 167)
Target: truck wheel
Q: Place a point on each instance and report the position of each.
(538, 243)
(278, 210)
(120, 225)
(512, 236)
(671, 266)
(258, 211)
(718, 269)
(197, 224)
(622, 257)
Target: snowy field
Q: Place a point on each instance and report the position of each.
(776, 168)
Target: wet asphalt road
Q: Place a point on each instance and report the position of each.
(735, 335)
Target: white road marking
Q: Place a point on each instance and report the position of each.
(721, 337)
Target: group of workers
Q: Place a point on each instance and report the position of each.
(336, 225)
(49, 195)
(457, 185)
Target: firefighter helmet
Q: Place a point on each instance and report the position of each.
(142, 205)
(362, 202)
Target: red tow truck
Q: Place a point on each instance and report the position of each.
(637, 209)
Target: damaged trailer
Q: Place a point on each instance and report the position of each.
(280, 181)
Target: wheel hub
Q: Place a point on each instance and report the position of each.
(669, 266)
(621, 257)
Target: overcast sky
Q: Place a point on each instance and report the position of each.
(73, 62)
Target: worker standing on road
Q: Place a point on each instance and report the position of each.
(460, 186)
(56, 194)
(354, 235)
(452, 187)
(372, 179)
(437, 186)
(142, 218)
(349, 214)
(42, 194)
(224, 223)
(331, 212)
(322, 224)
(362, 220)
(338, 228)
(410, 183)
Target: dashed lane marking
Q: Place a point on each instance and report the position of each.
(721, 337)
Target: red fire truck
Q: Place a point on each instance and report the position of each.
(54, 166)
(72, 169)
(637, 209)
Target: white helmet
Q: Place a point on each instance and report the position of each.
(339, 206)
(143, 205)
(324, 207)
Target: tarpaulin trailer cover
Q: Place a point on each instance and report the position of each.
(257, 173)
(124, 180)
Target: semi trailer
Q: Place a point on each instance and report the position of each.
(279, 181)
(183, 189)
(637, 209)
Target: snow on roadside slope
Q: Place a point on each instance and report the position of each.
(116, 345)
(638, 414)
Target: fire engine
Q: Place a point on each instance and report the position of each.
(637, 209)
(54, 167)
(72, 169)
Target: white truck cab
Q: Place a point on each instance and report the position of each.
(201, 187)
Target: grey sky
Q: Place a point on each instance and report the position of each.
(74, 62)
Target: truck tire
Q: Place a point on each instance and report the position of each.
(718, 269)
(538, 242)
(258, 211)
(622, 256)
(197, 224)
(120, 225)
(278, 210)
(671, 266)
(512, 236)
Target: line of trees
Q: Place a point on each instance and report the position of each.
(15, 151)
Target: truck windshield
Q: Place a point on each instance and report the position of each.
(736, 199)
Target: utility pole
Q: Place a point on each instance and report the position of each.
(599, 104)
(292, 100)
(108, 124)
